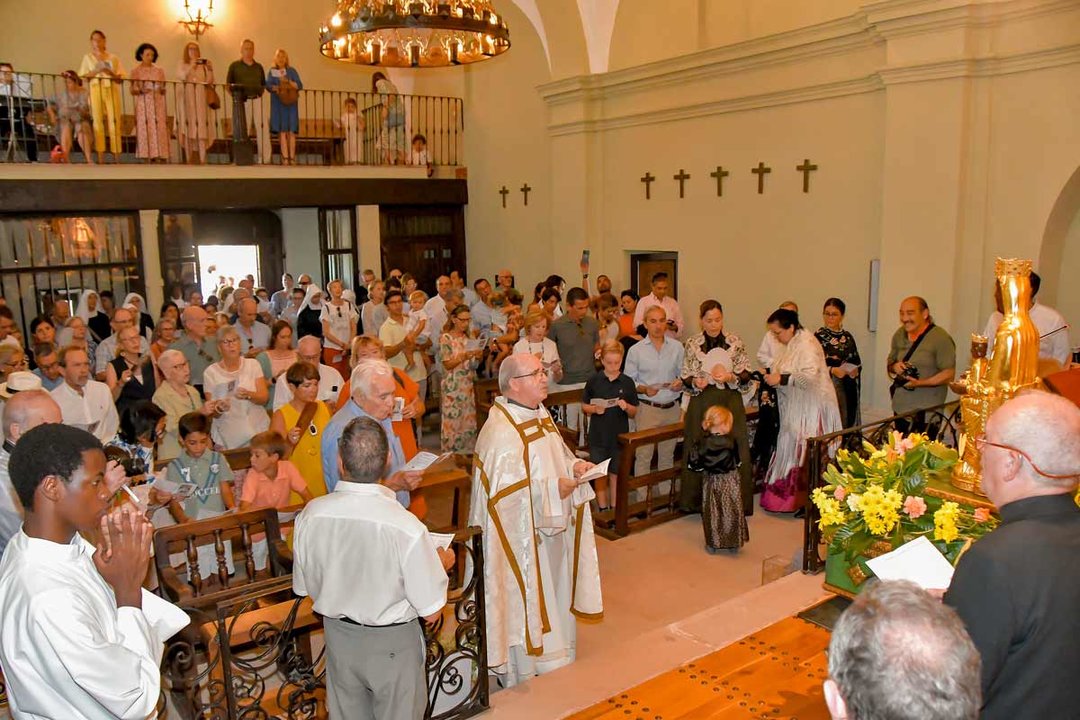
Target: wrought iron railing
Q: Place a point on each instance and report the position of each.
(174, 122)
(253, 657)
(941, 423)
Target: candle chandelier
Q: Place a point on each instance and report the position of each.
(414, 33)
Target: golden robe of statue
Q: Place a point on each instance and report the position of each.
(1014, 367)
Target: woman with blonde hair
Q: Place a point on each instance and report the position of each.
(194, 119)
(284, 84)
(536, 342)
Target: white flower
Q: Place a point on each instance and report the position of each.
(853, 502)
(215, 468)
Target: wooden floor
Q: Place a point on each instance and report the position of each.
(775, 673)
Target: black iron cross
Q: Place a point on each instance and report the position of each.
(648, 180)
(504, 192)
(761, 171)
(806, 168)
(525, 191)
(720, 174)
(682, 177)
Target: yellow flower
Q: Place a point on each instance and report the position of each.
(945, 522)
(880, 509)
(831, 514)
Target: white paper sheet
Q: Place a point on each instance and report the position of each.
(604, 402)
(597, 471)
(423, 460)
(441, 541)
(918, 561)
(849, 368)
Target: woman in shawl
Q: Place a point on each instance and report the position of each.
(137, 304)
(90, 311)
(807, 409)
(716, 363)
(309, 316)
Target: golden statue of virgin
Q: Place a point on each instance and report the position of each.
(1012, 367)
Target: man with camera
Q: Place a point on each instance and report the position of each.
(922, 362)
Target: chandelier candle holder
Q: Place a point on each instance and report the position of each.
(414, 33)
(198, 16)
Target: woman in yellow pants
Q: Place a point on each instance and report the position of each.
(104, 72)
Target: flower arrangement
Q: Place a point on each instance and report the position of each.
(880, 497)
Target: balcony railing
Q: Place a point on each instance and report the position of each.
(45, 118)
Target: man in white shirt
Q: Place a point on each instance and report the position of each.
(659, 296)
(436, 309)
(79, 637)
(399, 346)
(254, 335)
(1053, 330)
(771, 348)
(23, 412)
(373, 596)
(85, 403)
(655, 365)
(106, 350)
(309, 350)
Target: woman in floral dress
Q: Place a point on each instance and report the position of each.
(842, 359)
(458, 405)
(148, 89)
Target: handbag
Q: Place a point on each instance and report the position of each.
(901, 380)
(212, 98)
(288, 93)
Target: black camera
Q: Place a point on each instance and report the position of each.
(133, 465)
(910, 372)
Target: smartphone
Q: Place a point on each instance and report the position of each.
(585, 257)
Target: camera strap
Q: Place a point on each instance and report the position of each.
(900, 381)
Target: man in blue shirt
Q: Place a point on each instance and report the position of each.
(372, 397)
(655, 365)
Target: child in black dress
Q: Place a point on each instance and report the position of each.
(717, 455)
(610, 400)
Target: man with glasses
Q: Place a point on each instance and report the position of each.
(309, 350)
(47, 360)
(539, 548)
(1018, 588)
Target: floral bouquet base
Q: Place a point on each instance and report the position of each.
(874, 502)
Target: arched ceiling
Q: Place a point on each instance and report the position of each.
(595, 19)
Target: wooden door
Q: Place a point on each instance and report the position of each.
(425, 241)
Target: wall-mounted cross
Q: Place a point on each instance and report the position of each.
(525, 191)
(806, 168)
(682, 177)
(504, 192)
(720, 174)
(648, 180)
(761, 171)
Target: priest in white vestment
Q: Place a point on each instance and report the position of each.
(540, 565)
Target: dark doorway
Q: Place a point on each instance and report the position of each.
(183, 233)
(644, 265)
(425, 241)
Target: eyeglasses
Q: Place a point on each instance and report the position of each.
(542, 372)
(981, 442)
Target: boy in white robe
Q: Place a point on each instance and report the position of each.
(79, 637)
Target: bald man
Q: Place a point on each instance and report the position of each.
(309, 350)
(1018, 588)
(921, 364)
(254, 335)
(201, 351)
(23, 412)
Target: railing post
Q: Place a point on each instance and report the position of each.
(622, 490)
(243, 151)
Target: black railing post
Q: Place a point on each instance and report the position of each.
(243, 150)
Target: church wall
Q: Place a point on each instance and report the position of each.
(645, 32)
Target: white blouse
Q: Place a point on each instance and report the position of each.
(340, 318)
(236, 426)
